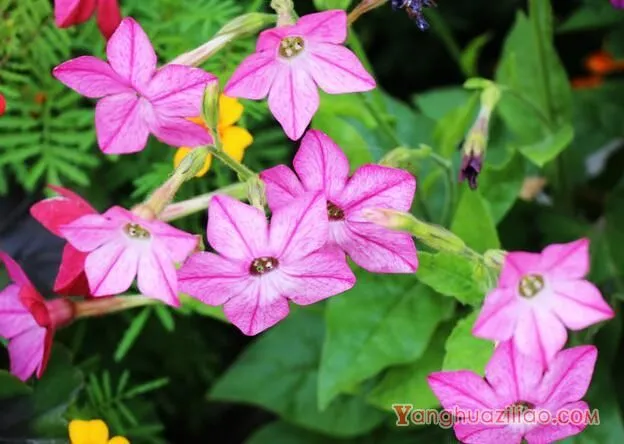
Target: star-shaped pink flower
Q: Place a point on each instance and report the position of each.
(120, 246)
(291, 62)
(517, 383)
(322, 166)
(135, 98)
(28, 322)
(538, 296)
(73, 12)
(259, 268)
(53, 213)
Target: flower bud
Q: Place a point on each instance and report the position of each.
(285, 12)
(210, 108)
(256, 192)
(403, 157)
(2, 105)
(494, 258)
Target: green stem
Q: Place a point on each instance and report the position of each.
(184, 208)
(244, 173)
(381, 121)
(438, 25)
(356, 45)
(102, 306)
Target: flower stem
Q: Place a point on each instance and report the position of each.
(244, 173)
(107, 305)
(183, 208)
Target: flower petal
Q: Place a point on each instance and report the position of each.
(579, 304)
(177, 90)
(327, 26)
(157, 275)
(111, 268)
(514, 376)
(71, 279)
(235, 141)
(213, 279)
(499, 316)
(568, 376)
(315, 277)
(178, 244)
(293, 100)
(375, 186)
(253, 77)
(486, 433)
(462, 389)
(14, 316)
(321, 165)
(89, 232)
(108, 17)
(178, 131)
(72, 12)
(336, 70)
(281, 186)
(61, 210)
(236, 230)
(539, 333)
(88, 432)
(131, 54)
(26, 352)
(15, 272)
(299, 229)
(230, 110)
(516, 265)
(566, 261)
(375, 248)
(120, 123)
(259, 307)
(556, 432)
(90, 77)
(269, 39)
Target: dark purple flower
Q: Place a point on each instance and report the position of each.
(470, 169)
(414, 10)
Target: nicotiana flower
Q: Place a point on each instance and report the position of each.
(92, 432)
(120, 246)
(289, 64)
(322, 166)
(259, 268)
(235, 139)
(618, 3)
(73, 12)
(538, 296)
(53, 213)
(28, 321)
(135, 98)
(514, 384)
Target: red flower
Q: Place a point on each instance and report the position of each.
(73, 12)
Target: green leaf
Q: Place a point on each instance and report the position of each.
(614, 230)
(545, 150)
(500, 186)
(379, 323)
(470, 54)
(332, 4)
(464, 351)
(473, 222)
(279, 372)
(437, 103)
(11, 386)
(132, 333)
(165, 317)
(451, 275)
(407, 384)
(193, 305)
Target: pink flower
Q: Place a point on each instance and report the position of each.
(53, 213)
(73, 12)
(322, 166)
(618, 3)
(120, 246)
(538, 296)
(289, 64)
(135, 99)
(259, 267)
(28, 322)
(518, 384)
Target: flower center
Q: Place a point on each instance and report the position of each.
(136, 231)
(334, 212)
(530, 285)
(263, 265)
(291, 47)
(521, 406)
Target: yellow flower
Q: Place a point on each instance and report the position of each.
(92, 432)
(234, 138)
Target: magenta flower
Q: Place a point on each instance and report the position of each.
(538, 296)
(135, 99)
(514, 385)
(258, 268)
(121, 246)
(28, 322)
(322, 166)
(289, 64)
(72, 12)
(53, 213)
(618, 3)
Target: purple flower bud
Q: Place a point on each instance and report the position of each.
(414, 9)
(470, 169)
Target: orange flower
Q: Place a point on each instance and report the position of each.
(603, 63)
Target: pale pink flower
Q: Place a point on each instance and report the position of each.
(291, 62)
(28, 321)
(538, 296)
(121, 246)
(135, 98)
(322, 166)
(73, 12)
(517, 383)
(259, 268)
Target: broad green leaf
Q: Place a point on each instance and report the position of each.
(451, 275)
(473, 222)
(437, 103)
(470, 54)
(545, 150)
(379, 323)
(407, 384)
(11, 386)
(452, 128)
(593, 14)
(279, 372)
(500, 187)
(190, 304)
(464, 351)
(332, 4)
(615, 230)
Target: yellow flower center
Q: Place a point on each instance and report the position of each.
(530, 285)
(291, 47)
